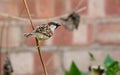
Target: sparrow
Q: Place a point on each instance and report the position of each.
(7, 68)
(72, 21)
(43, 31)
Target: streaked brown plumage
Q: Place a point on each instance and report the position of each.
(43, 31)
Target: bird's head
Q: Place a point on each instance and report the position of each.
(54, 24)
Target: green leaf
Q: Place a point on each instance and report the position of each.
(108, 61)
(106, 73)
(119, 65)
(83, 73)
(66, 73)
(112, 66)
(74, 70)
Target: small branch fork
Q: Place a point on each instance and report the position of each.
(37, 41)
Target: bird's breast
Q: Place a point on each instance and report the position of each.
(43, 37)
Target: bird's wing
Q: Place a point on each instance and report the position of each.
(44, 29)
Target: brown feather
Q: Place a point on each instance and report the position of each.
(44, 29)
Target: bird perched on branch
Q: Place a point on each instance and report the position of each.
(44, 31)
(72, 21)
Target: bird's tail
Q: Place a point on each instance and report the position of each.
(28, 35)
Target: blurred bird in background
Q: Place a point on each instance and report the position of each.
(72, 21)
(7, 68)
(44, 31)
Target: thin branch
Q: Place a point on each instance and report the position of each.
(79, 3)
(39, 20)
(28, 13)
(37, 41)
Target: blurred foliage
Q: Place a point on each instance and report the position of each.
(74, 70)
(112, 67)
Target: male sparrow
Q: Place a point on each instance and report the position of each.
(72, 21)
(44, 31)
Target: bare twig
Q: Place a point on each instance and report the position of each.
(79, 3)
(37, 41)
(39, 20)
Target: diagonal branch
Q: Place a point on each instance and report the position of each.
(37, 41)
(39, 20)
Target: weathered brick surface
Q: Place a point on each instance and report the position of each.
(22, 63)
(96, 8)
(49, 60)
(112, 7)
(9, 7)
(62, 37)
(59, 7)
(44, 8)
(11, 36)
(109, 33)
(83, 36)
(2, 61)
(82, 58)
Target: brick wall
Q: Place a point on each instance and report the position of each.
(98, 32)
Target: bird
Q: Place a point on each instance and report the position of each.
(72, 21)
(43, 31)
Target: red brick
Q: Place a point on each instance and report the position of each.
(44, 8)
(74, 3)
(11, 36)
(96, 8)
(22, 63)
(109, 33)
(2, 61)
(90, 33)
(84, 35)
(112, 7)
(62, 37)
(59, 7)
(22, 10)
(3, 36)
(9, 7)
(48, 58)
(2, 4)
